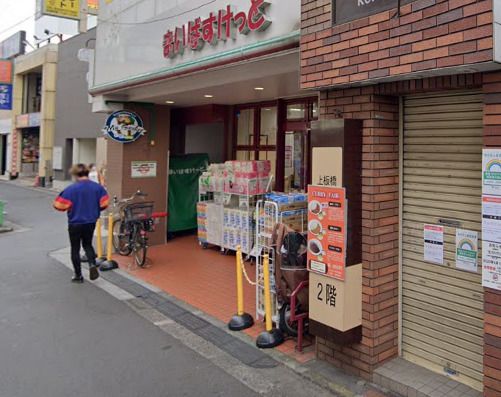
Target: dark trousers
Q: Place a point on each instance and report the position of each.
(81, 235)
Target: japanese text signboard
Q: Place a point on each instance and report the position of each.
(218, 26)
(61, 8)
(5, 97)
(349, 10)
(5, 72)
(327, 231)
(491, 218)
(143, 169)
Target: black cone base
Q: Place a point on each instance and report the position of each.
(100, 261)
(269, 340)
(108, 265)
(238, 323)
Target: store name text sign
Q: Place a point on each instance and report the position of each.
(217, 26)
(349, 10)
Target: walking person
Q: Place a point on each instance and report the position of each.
(83, 201)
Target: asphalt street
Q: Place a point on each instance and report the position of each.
(63, 340)
(59, 339)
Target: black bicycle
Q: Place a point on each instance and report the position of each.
(132, 237)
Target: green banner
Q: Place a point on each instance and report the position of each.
(184, 172)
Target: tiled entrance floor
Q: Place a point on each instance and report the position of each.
(410, 380)
(206, 280)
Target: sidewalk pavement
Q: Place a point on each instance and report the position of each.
(249, 364)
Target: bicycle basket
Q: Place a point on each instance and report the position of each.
(138, 211)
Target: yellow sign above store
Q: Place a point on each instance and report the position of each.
(62, 8)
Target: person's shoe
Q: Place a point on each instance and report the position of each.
(77, 279)
(93, 273)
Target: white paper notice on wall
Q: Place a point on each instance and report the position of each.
(57, 158)
(467, 250)
(491, 219)
(491, 265)
(491, 171)
(434, 244)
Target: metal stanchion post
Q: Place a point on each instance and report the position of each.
(100, 259)
(272, 336)
(241, 320)
(109, 264)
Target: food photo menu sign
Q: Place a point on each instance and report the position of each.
(327, 222)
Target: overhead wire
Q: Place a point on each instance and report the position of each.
(110, 20)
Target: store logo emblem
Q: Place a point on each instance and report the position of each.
(219, 26)
(124, 127)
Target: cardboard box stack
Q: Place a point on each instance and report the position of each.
(247, 177)
(292, 209)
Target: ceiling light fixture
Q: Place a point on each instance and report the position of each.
(208, 96)
(169, 102)
(259, 88)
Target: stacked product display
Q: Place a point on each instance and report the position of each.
(290, 209)
(228, 196)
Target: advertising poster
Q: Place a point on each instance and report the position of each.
(143, 169)
(434, 244)
(327, 231)
(491, 265)
(491, 171)
(467, 250)
(5, 97)
(5, 72)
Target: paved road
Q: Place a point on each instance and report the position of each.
(63, 340)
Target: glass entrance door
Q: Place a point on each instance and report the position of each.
(296, 160)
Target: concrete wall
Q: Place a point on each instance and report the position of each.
(74, 117)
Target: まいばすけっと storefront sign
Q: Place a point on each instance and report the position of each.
(124, 127)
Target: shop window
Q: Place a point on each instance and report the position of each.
(268, 131)
(245, 155)
(296, 111)
(315, 110)
(245, 127)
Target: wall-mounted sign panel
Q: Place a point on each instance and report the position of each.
(124, 127)
(5, 97)
(60, 8)
(13, 46)
(143, 169)
(350, 10)
(5, 72)
(188, 34)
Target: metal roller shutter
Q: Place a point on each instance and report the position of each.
(442, 307)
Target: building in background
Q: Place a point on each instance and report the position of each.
(10, 48)
(33, 114)
(78, 137)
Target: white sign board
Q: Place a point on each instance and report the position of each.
(175, 27)
(57, 158)
(491, 171)
(143, 169)
(467, 250)
(491, 265)
(491, 219)
(434, 244)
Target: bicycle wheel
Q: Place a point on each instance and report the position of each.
(140, 248)
(120, 238)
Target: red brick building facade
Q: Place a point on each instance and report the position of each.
(361, 69)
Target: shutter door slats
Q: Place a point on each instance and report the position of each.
(442, 307)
